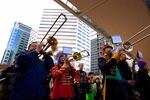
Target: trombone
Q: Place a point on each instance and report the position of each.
(51, 41)
(79, 55)
(129, 46)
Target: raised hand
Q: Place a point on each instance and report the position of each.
(39, 47)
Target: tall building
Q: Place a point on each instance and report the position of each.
(97, 42)
(17, 42)
(74, 33)
(33, 36)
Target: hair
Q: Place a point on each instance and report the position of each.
(81, 64)
(90, 73)
(59, 58)
(97, 78)
(31, 44)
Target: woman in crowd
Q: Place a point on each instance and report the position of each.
(63, 74)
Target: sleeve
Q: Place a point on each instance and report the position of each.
(77, 78)
(102, 64)
(26, 58)
(110, 67)
(73, 71)
(58, 72)
(106, 66)
(139, 80)
(48, 62)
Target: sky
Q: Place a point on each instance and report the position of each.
(27, 12)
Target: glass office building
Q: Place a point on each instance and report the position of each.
(18, 42)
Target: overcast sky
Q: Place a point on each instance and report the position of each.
(25, 11)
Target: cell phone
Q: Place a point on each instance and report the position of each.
(67, 50)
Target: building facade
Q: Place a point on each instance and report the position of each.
(97, 42)
(18, 42)
(74, 33)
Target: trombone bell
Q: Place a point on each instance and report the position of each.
(127, 46)
(52, 41)
(79, 55)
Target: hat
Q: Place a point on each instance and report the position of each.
(106, 46)
(141, 64)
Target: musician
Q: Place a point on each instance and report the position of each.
(124, 67)
(126, 74)
(80, 83)
(107, 54)
(63, 73)
(29, 83)
(112, 78)
(143, 80)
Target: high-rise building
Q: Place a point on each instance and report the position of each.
(97, 42)
(33, 36)
(17, 42)
(74, 33)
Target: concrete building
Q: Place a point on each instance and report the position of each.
(74, 33)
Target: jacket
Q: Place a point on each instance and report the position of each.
(29, 84)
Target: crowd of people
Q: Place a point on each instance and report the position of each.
(32, 77)
(120, 81)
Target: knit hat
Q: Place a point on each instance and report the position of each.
(141, 64)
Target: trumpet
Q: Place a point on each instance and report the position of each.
(79, 55)
(52, 41)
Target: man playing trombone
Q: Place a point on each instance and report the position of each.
(29, 83)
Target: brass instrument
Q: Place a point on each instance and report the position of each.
(51, 41)
(79, 55)
(129, 46)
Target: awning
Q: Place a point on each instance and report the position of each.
(113, 17)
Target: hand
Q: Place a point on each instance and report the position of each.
(39, 47)
(116, 56)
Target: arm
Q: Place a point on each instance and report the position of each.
(106, 66)
(73, 71)
(48, 61)
(101, 63)
(56, 72)
(26, 58)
